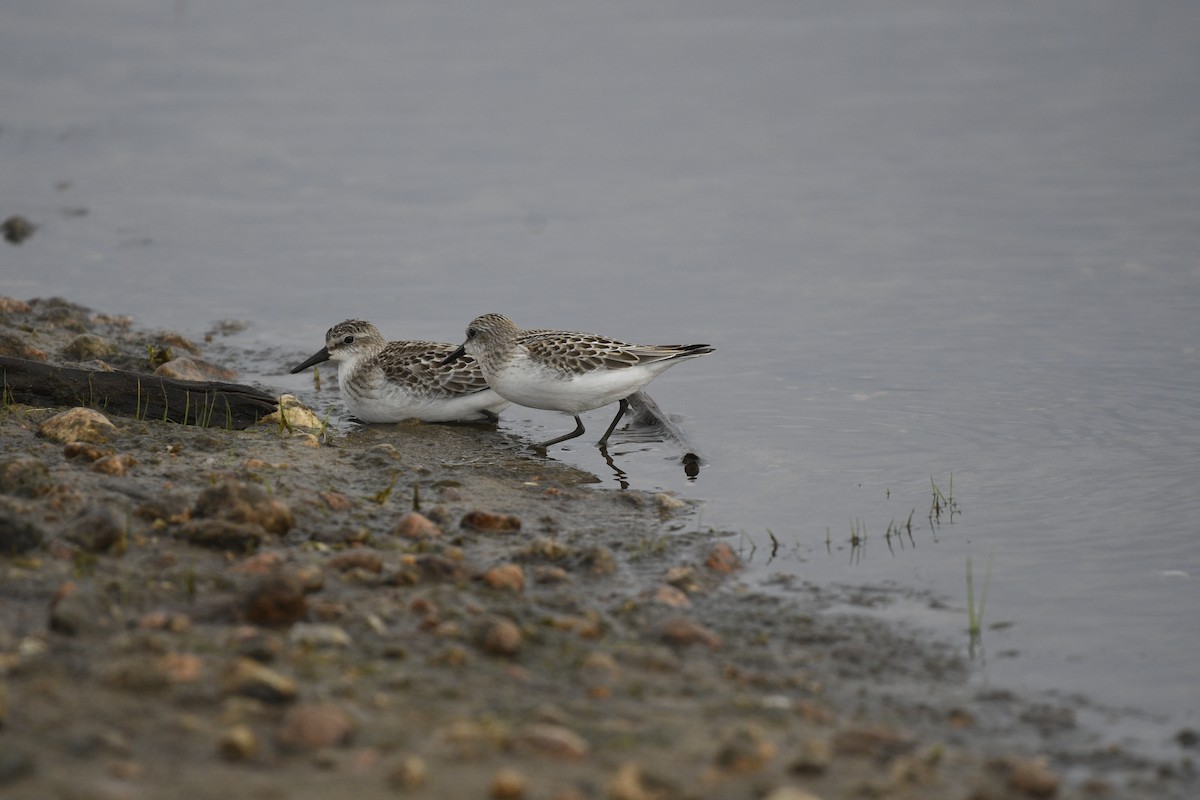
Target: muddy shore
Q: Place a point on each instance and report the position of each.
(422, 611)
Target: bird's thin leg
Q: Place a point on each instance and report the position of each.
(620, 413)
(577, 432)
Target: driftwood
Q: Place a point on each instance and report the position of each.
(134, 394)
(646, 413)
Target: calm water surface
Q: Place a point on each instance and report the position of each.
(927, 238)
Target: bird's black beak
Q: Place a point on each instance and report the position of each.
(455, 356)
(315, 358)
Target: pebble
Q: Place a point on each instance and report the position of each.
(17, 229)
(1032, 776)
(295, 414)
(428, 566)
(319, 636)
(554, 741)
(409, 774)
(667, 596)
(222, 534)
(11, 305)
(336, 501)
(78, 425)
(791, 793)
(18, 535)
(873, 741)
(97, 528)
(77, 610)
(26, 476)
(415, 525)
(314, 726)
(186, 368)
(682, 631)
(498, 636)
(89, 347)
(489, 522)
(722, 559)
(276, 600)
(238, 501)
(598, 561)
(507, 784)
(505, 577)
(813, 757)
(238, 743)
(546, 574)
(249, 678)
(746, 747)
(115, 464)
(357, 559)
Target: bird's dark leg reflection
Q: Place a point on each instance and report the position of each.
(620, 474)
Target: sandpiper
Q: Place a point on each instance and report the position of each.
(564, 370)
(383, 381)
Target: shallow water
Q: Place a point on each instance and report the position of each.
(926, 239)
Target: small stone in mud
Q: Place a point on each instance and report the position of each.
(745, 748)
(15, 346)
(722, 559)
(277, 600)
(11, 305)
(598, 561)
(507, 784)
(498, 636)
(681, 631)
(238, 501)
(489, 522)
(791, 793)
(115, 464)
(668, 596)
(632, 783)
(813, 757)
(314, 726)
(415, 525)
(238, 743)
(89, 347)
(408, 775)
(546, 574)
(554, 741)
(97, 529)
(222, 534)
(78, 425)
(365, 560)
(249, 678)
(505, 577)
(319, 636)
(428, 566)
(1031, 776)
(336, 501)
(26, 476)
(194, 369)
(85, 451)
(874, 741)
(17, 229)
(18, 535)
(76, 610)
(294, 414)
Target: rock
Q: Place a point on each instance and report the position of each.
(498, 636)
(722, 559)
(409, 774)
(598, 561)
(177, 341)
(428, 567)
(314, 726)
(335, 501)
(365, 560)
(89, 347)
(249, 678)
(505, 577)
(631, 783)
(872, 741)
(238, 743)
(88, 452)
(682, 631)
(78, 425)
(75, 610)
(117, 465)
(25, 476)
(295, 415)
(17, 229)
(490, 523)
(238, 501)
(791, 793)
(11, 305)
(667, 596)
(415, 525)
(18, 347)
(745, 748)
(98, 528)
(1031, 776)
(222, 534)
(545, 574)
(318, 636)
(258, 564)
(195, 369)
(276, 600)
(507, 784)
(813, 757)
(554, 741)
(668, 503)
(18, 535)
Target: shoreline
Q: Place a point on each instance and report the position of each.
(416, 610)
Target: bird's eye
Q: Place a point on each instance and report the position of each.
(471, 333)
(348, 340)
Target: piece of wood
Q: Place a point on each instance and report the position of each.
(134, 394)
(646, 413)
